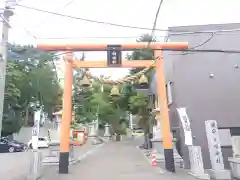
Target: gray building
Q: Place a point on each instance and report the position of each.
(206, 83)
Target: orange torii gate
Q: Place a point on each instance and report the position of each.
(113, 63)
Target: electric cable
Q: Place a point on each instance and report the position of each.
(205, 50)
(58, 11)
(97, 37)
(124, 26)
(87, 20)
(134, 77)
(155, 22)
(201, 44)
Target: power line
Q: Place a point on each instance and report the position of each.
(44, 20)
(173, 32)
(96, 37)
(201, 44)
(88, 20)
(204, 50)
(155, 21)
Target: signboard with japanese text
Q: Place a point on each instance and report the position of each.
(196, 162)
(214, 145)
(114, 55)
(186, 126)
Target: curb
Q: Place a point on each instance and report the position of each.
(85, 155)
(149, 161)
(79, 158)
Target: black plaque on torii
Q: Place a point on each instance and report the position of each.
(114, 55)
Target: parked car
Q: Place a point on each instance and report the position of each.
(137, 132)
(11, 146)
(43, 142)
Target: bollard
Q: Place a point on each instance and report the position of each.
(154, 158)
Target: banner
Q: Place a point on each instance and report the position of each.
(35, 129)
(186, 126)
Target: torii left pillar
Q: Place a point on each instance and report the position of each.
(66, 116)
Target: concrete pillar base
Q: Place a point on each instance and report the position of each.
(219, 174)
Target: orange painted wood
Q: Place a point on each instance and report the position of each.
(103, 64)
(103, 47)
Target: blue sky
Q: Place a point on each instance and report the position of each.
(47, 28)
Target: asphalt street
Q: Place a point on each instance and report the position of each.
(15, 165)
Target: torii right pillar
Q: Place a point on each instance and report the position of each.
(164, 115)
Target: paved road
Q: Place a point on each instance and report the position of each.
(15, 166)
(114, 160)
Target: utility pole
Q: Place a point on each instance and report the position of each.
(5, 13)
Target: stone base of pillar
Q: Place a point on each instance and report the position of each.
(158, 146)
(219, 174)
(92, 136)
(107, 137)
(97, 140)
(53, 157)
(202, 176)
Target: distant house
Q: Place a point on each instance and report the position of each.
(207, 84)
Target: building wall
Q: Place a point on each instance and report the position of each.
(206, 98)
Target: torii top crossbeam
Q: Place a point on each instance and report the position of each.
(104, 47)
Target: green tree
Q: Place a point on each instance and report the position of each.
(138, 102)
(30, 77)
(93, 102)
(12, 109)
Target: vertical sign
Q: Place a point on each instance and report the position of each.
(114, 55)
(186, 126)
(214, 145)
(196, 162)
(35, 129)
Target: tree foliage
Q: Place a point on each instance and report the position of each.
(30, 77)
(139, 101)
(92, 102)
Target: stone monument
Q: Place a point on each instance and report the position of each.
(93, 134)
(92, 130)
(107, 131)
(196, 162)
(217, 171)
